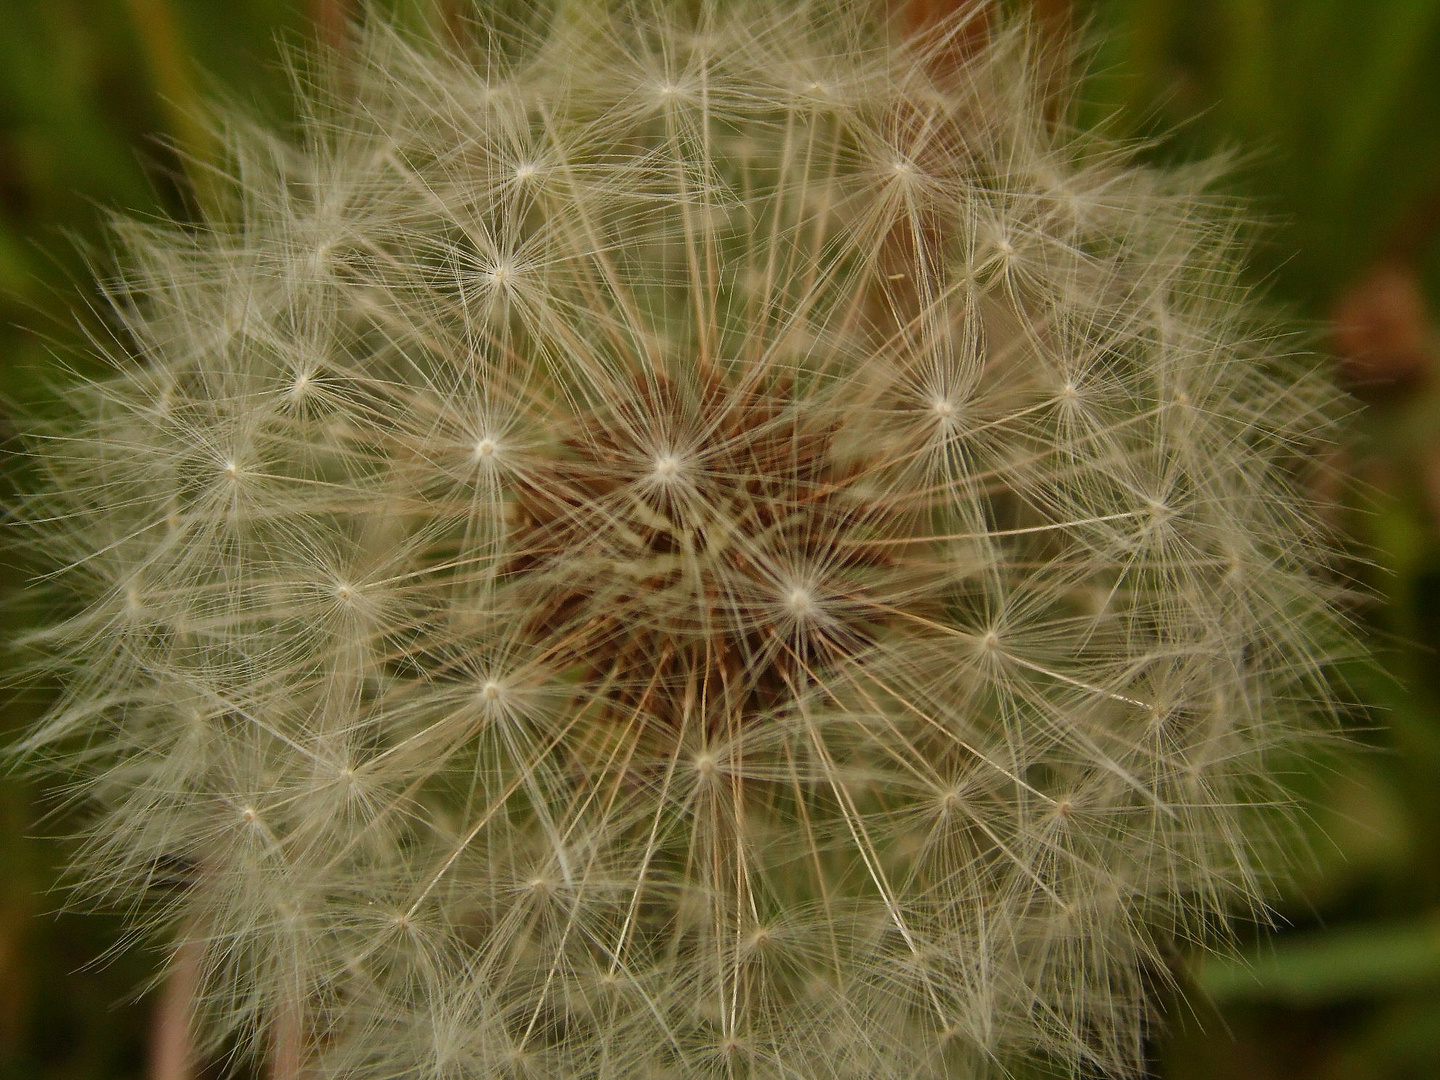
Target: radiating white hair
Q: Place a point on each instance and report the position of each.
(704, 541)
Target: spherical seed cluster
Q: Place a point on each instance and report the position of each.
(685, 545)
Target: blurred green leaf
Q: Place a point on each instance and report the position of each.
(15, 269)
(1313, 968)
(1400, 31)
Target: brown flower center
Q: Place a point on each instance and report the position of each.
(700, 552)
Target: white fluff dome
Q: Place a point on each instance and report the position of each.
(708, 544)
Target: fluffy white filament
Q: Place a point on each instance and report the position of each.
(685, 545)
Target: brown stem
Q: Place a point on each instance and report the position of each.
(1054, 19)
(331, 19)
(172, 1049)
(453, 23)
(954, 29)
(287, 1051)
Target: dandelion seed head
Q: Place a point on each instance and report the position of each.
(818, 88)
(499, 276)
(318, 261)
(947, 412)
(800, 602)
(873, 510)
(303, 385)
(668, 467)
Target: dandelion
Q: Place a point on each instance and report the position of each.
(692, 542)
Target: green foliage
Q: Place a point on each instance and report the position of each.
(1333, 107)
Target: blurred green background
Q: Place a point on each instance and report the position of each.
(1332, 109)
